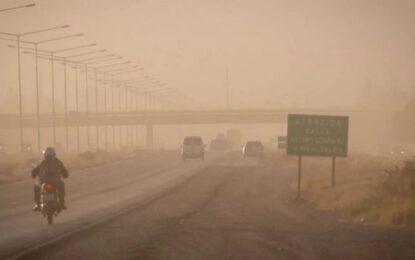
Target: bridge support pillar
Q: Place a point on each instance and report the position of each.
(149, 137)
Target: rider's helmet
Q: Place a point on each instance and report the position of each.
(49, 152)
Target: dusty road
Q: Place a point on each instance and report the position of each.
(92, 195)
(233, 209)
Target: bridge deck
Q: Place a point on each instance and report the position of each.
(163, 117)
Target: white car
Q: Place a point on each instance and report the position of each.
(193, 147)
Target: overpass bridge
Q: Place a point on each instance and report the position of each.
(152, 118)
(264, 116)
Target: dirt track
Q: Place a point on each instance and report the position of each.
(234, 210)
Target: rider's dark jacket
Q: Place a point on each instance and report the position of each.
(50, 169)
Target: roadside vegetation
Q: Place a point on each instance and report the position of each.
(368, 189)
(17, 167)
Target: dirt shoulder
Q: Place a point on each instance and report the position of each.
(364, 192)
(16, 167)
(234, 210)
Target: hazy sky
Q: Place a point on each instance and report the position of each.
(310, 53)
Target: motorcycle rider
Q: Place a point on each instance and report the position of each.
(51, 169)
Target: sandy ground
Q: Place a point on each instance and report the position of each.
(235, 209)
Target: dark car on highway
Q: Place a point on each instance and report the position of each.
(253, 149)
(193, 147)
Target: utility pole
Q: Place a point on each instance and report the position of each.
(227, 90)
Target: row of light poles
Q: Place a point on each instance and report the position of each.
(95, 70)
(65, 60)
(135, 85)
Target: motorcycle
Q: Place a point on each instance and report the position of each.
(49, 201)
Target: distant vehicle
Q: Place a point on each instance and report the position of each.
(219, 145)
(253, 149)
(193, 147)
(393, 151)
(398, 151)
(235, 138)
(26, 148)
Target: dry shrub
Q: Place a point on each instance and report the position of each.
(8, 169)
(88, 155)
(15, 167)
(400, 181)
(364, 191)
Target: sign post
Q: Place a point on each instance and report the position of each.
(299, 177)
(333, 171)
(317, 135)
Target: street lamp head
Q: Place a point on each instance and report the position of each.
(30, 5)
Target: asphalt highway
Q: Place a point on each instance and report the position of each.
(92, 195)
(227, 207)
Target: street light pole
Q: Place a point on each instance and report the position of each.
(137, 130)
(113, 110)
(20, 94)
(87, 106)
(227, 90)
(126, 111)
(105, 112)
(119, 111)
(77, 107)
(96, 108)
(37, 100)
(65, 93)
(53, 101)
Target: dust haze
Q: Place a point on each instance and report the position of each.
(157, 96)
(325, 55)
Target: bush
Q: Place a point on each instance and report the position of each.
(88, 155)
(400, 181)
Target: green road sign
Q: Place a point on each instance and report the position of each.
(317, 135)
